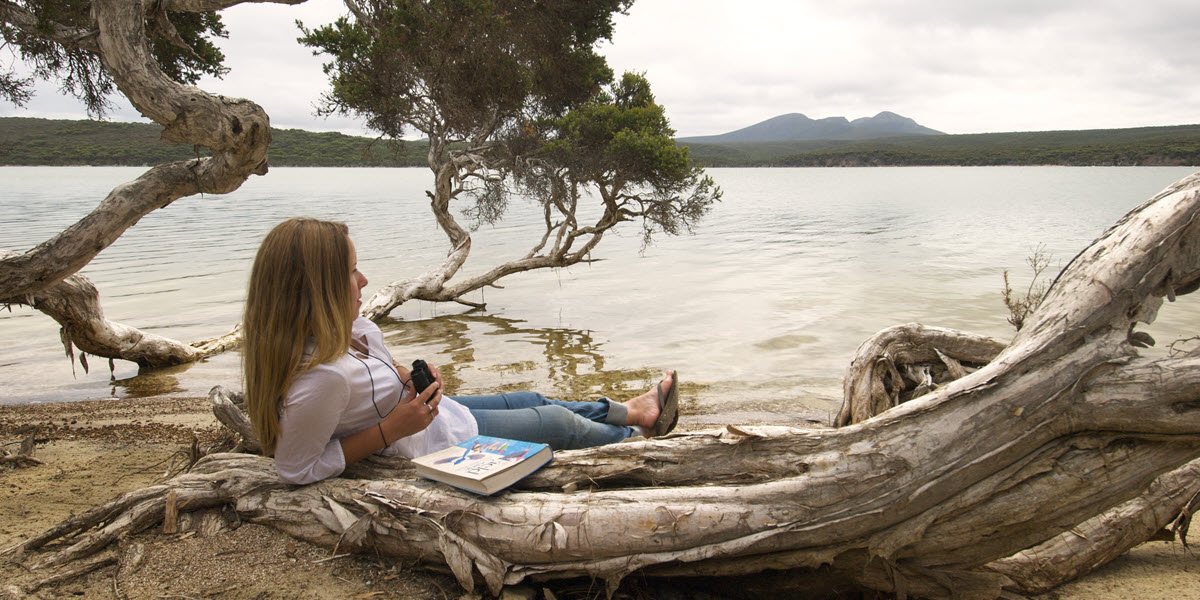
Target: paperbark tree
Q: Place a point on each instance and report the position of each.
(151, 52)
(489, 84)
(1061, 452)
(477, 79)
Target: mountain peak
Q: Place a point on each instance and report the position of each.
(796, 127)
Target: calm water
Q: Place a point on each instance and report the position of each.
(763, 307)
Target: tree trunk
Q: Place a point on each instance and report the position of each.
(990, 482)
(236, 131)
(450, 168)
(431, 285)
(75, 304)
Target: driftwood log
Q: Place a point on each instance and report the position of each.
(1021, 467)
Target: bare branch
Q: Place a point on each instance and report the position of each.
(75, 304)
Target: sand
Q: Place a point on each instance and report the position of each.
(90, 452)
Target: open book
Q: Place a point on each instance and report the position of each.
(483, 464)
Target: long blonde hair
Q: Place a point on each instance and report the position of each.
(299, 287)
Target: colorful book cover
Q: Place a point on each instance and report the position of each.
(484, 464)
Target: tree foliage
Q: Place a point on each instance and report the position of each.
(513, 99)
(14, 88)
(57, 39)
(620, 145)
(459, 69)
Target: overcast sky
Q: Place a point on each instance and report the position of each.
(958, 66)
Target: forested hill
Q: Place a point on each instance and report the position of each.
(52, 142)
(98, 143)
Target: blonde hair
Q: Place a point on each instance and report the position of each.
(299, 288)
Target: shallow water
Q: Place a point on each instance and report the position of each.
(760, 310)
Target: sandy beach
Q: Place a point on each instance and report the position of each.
(90, 452)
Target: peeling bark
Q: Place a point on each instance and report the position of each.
(1168, 502)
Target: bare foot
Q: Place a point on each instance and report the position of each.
(643, 410)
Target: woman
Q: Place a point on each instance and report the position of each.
(323, 391)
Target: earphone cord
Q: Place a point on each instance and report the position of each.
(403, 384)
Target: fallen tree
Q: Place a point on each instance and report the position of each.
(1062, 451)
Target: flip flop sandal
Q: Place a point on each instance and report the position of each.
(668, 413)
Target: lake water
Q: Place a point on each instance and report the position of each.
(760, 310)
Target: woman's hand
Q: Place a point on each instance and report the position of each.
(406, 375)
(407, 418)
(415, 415)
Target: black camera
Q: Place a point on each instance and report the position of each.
(421, 377)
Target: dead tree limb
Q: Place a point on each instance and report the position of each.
(1169, 501)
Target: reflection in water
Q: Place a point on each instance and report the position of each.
(151, 382)
(497, 354)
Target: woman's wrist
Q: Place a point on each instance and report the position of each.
(382, 436)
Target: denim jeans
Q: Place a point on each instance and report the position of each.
(531, 417)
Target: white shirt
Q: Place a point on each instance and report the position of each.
(335, 399)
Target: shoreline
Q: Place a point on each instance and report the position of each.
(93, 451)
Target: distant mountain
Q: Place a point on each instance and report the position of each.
(797, 127)
(1158, 146)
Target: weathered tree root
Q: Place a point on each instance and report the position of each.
(228, 408)
(24, 456)
(908, 361)
(17, 461)
(1168, 502)
(976, 489)
(135, 511)
(418, 520)
(77, 570)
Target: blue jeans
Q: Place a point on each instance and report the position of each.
(531, 417)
